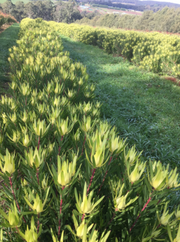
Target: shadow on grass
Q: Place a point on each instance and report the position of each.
(7, 39)
(144, 108)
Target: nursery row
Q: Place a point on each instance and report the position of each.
(67, 175)
(155, 52)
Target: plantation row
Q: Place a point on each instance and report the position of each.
(66, 174)
(155, 52)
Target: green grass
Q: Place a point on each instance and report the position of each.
(7, 40)
(144, 108)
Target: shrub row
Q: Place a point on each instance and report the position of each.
(155, 52)
(67, 175)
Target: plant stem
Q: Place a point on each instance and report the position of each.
(148, 201)
(83, 217)
(18, 232)
(111, 220)
(83, 145)
(158, 226)
(59, 150)
(60, 211)
(10, 181)
(38, 223)
(37, 175)
(91, 180)
(104, 176)
(38, 142)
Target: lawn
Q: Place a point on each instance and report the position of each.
(144, 108)
(7, 39)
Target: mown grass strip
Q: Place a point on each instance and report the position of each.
(143, 107)
(7, 39)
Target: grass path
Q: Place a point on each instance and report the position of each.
(144, 108)
(7, 39)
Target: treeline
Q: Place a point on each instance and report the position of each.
(61, 12)
(165, 20)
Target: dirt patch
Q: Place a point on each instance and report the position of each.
(172, 79)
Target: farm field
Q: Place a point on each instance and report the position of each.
(61, 146)
(90, 8)
(142, 105)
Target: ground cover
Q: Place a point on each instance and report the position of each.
(8, 37)
(143, 107)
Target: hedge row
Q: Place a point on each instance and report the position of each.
(155, 52)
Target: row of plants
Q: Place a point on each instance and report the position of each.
(6, 19)
(67, 175)
(151, 51)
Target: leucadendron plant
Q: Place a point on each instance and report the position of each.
(65, 174)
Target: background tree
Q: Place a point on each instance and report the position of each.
(19, 11)
(176, 27)
(31, 10)
(48, 10)
(1, 9)
(8, 7)
(66, 12)
(41, 9)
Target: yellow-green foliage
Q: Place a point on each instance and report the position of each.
(151, 51)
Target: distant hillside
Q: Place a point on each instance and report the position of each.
(135, 4)
(146, 2)
(151, 3)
